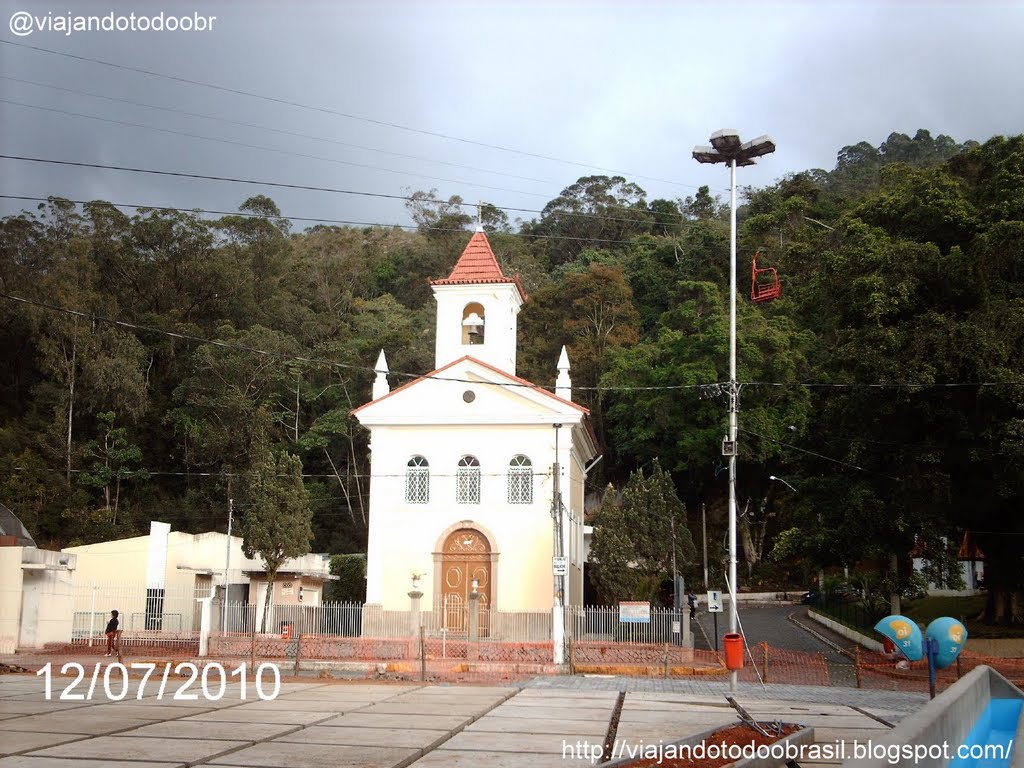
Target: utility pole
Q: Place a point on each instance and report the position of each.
(727, 148)
(558, 608)
(227, 569)
(704, 537)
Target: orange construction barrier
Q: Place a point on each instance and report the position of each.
(733, 644)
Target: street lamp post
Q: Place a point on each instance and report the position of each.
(780, 480)
(821, 568)
(727, 148)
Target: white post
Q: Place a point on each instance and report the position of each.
(92, 615)
(733, 415)
(558, 632)
(205, 619)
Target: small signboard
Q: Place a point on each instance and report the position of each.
(635, 613)
(675, 628)
(559, 566)
(714, 601)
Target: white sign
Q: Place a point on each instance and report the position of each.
(559, 566)
(714, 601)
(675, 628)
(635, 613)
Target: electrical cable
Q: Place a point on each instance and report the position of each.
(311, 220)
(281, 131)
(262, 148)
(304, 187)
(819, 455)
(318, 361)
(336, 113)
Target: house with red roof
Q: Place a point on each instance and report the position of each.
(477, 475)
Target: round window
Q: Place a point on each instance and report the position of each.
(469, 395)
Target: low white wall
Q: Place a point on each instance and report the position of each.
(1002, 648)
(47, 604)
(947, 718)
(850, 634)
(10, 598)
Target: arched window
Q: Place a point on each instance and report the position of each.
(520, 481)
(473, 323)
(417, 481)
(467, 481)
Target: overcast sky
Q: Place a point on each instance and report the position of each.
(627, 87)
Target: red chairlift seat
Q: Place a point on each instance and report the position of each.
(764, 283)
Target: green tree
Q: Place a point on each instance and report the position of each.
(437, 217)
(591, 313)
(351, 584)
(111, 461)
(277, 522)
(596, 211)
(639, 537)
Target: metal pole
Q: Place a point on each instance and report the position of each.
(733, 413)
(558, 633)
(227, 570)
(704, 537)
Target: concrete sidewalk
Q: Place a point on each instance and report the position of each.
(338, 724)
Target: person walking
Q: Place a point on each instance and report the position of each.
(113, 632)
(692, 600)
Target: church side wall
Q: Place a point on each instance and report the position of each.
(577, 492)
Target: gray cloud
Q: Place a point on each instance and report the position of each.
(630, 87)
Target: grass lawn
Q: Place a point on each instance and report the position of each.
(965, 609)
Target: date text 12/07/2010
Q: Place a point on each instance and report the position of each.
(114, 682)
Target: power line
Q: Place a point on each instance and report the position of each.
(225, 474)
(884, 385)
(305, 187)
(819, 455)
(337, 113)
(706, 386)
(312, 360)
(311, 220)
(281, 131)
(262, 148)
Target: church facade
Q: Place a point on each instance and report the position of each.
(477, 475)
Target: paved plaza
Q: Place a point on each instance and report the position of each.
(552, 721)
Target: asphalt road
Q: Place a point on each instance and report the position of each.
(772, 624)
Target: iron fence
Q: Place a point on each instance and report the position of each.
(143, 611)
(852, 614)
(606, 624)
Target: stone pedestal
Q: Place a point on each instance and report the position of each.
(473, 626)
(414, 612)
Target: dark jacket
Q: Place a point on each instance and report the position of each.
(112, 626)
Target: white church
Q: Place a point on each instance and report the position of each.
(463, 461)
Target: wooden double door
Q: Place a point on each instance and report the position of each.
(465, 556)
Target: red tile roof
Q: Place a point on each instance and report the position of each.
(478, 265)
(969, 550)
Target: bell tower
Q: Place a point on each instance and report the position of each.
(477, 309)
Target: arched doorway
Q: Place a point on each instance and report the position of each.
(465, 556)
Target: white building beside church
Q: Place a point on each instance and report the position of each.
(462, 460)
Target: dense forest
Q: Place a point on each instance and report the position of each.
(150, 355)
